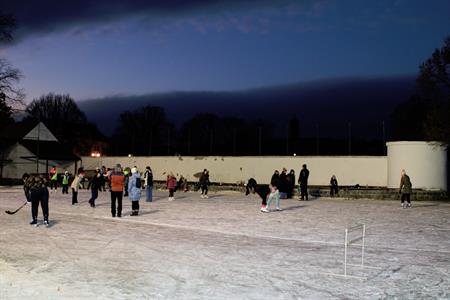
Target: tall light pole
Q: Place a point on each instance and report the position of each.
(349, 138)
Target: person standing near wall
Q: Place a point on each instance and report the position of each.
(303, 181)
(117, 180)
(36, 191)
(76, 185)
(334, 189)
(65, 182)
(134, 190)
(291, 183)
(275, 178)
(204, 183)
(405, 189)
(53, 175)
(148, 184)
(283, 184)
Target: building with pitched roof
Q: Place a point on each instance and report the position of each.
(31, 147)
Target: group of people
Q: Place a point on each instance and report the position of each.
(281, 187)
(173, 185)
(36, 191)
(129, 183)
(285, 183)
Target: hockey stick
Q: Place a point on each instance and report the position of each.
(13, 212)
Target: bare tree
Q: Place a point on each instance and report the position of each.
(9, 76)
(56, 110)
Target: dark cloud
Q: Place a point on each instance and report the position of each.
(54, 15)
(331, 104)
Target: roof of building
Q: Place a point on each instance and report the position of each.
(49, 150)
(15, 132)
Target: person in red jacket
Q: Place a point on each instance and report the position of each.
(171, 183)
(117, 179)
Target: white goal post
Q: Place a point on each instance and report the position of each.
(348, 240)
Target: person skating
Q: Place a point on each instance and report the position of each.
(65, 182)
(274, 194)
(103, 174)
(148, 184)
(303, 181)
(334, 188)
(76, 185)
(264, 191)
(126, 173)
(405, 189)
(53, 175)
(134, 191)
(35, 187)
(204, 183)
(171, 183)
(117, 180)
(95, 184)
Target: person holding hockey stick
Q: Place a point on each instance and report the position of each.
(35, 187)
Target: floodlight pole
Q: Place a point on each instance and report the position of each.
(259, 140)
(349, 138)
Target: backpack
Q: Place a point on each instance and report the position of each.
(138, 183)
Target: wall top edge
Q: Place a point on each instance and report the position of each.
(207, 157)
(429, 143)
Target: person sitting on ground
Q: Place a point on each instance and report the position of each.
(182, 184)
(333, 186)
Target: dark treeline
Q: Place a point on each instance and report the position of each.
(147, 131)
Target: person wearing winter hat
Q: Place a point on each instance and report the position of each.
(134, 190)
(65, 182)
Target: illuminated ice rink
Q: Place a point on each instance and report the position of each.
(223, 248)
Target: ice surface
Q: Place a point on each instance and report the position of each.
(222, 248)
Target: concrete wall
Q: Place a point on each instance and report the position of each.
(425, 163)
(363, 170)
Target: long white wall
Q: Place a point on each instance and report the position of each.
(362, 170)
(425, 163)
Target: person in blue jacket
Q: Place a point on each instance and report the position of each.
(134, 190)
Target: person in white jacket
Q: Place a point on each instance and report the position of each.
(75, 185)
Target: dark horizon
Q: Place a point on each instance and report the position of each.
(335, 101)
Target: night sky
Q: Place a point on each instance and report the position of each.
(93, 49)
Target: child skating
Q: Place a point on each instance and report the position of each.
(171, 183)
(134, 191)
